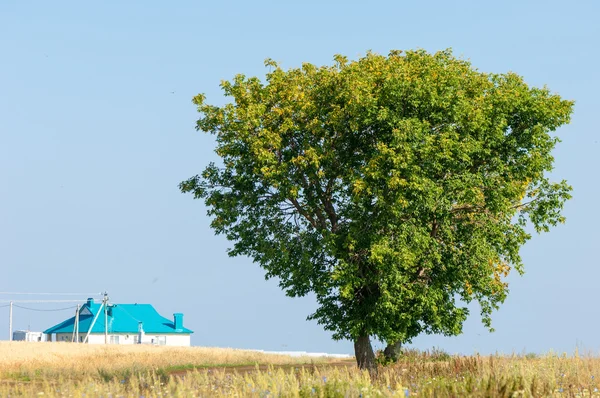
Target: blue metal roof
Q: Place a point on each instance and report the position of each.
(122, 318)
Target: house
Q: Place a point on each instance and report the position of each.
(27, 335)
(120, 324)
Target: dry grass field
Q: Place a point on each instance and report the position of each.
(30, 361)
(70, 370)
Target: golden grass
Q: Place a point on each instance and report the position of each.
(54, 373)
(24, 360)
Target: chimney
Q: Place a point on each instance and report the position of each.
(178, 321)
(90, 301)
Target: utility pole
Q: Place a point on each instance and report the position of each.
(77, 324)
(75, 337)
(10, 322)
(105, 301)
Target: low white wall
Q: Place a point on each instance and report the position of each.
(306, 354)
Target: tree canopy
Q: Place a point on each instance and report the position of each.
(395, 188)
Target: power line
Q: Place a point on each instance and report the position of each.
(38, 309)
(51, 294)
(123, 309)
(41, 301)
(3, 306)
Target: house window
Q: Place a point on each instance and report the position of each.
(162, 340)
(114, 340)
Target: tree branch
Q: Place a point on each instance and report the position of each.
(304, 213)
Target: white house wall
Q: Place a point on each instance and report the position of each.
(66, 337)
(174, 340)
(178, 340)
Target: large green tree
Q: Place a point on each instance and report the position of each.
(395, 188)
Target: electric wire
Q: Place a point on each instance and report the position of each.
(41, 301)
(43, 310)
(127, 312)
(51, 294)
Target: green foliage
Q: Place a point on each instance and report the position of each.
(413, 355)
(396, 189)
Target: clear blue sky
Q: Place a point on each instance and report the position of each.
(97, 130)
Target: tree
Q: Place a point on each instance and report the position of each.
(396, 189)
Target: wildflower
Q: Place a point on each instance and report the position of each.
(324, 379)
(560, 389)
(406, 393)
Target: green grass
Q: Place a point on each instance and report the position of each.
(190, 367)
(418, 374)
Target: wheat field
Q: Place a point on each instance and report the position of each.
(27, 360)
(71, 370)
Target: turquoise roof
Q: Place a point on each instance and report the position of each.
(122, 318)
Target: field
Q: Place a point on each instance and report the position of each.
(64, 369)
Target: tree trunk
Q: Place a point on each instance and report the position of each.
(392, 351)
(365, 358)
